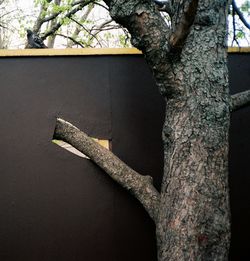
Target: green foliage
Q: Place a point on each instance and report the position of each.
(240, 35)
(245, 7)
(40, 2)
(59, 8)
(124, 40)
(69, 2)
(65, 21)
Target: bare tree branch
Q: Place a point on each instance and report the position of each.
(71, 39)
(51, 17)
(79, 2)
(103, 6)
(178, 37)
(8, 13)
(140, 186)
(240, 100)
(85, 29)
(3, 26)
(78, 27)
(234, 29)
(52, 38)
(101, 28)
(40, 19)
(239, 13)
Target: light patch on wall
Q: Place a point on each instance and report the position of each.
(68, 147)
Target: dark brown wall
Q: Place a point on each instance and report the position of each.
(57, 206)
(239, 160)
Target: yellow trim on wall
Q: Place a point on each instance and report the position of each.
(239, 49)
(69, 52)
(88, 51)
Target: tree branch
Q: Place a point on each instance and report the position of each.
(240, 100)
(140, 18)
(71, 39)
(51, 17)
(78, 27)
(54, 15)
(67, 15)
(103, 6)
(234, 29)
(178, 37)
(140, 186)
(85, 29)
(40, 19)
(239, 13)
(150, 34)
(79, 2)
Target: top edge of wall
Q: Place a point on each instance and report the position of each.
(69, 52)
(89, 51)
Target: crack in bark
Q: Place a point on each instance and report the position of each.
(140, 186)
(178, 37)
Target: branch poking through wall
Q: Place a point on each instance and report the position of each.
(140, 186)
(240, 100)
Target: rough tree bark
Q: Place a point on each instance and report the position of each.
(189, 64)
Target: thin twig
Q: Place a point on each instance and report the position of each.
(85, 29)
(72, 39)
(78, 27)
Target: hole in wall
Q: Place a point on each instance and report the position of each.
(71, 149)
(105, 143)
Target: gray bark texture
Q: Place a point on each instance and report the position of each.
(194, 216)
(189, 64)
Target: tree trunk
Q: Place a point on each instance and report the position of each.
(194, 214)
(194, 210)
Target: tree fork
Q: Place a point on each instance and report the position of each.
(192, 213)
(178, 37)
